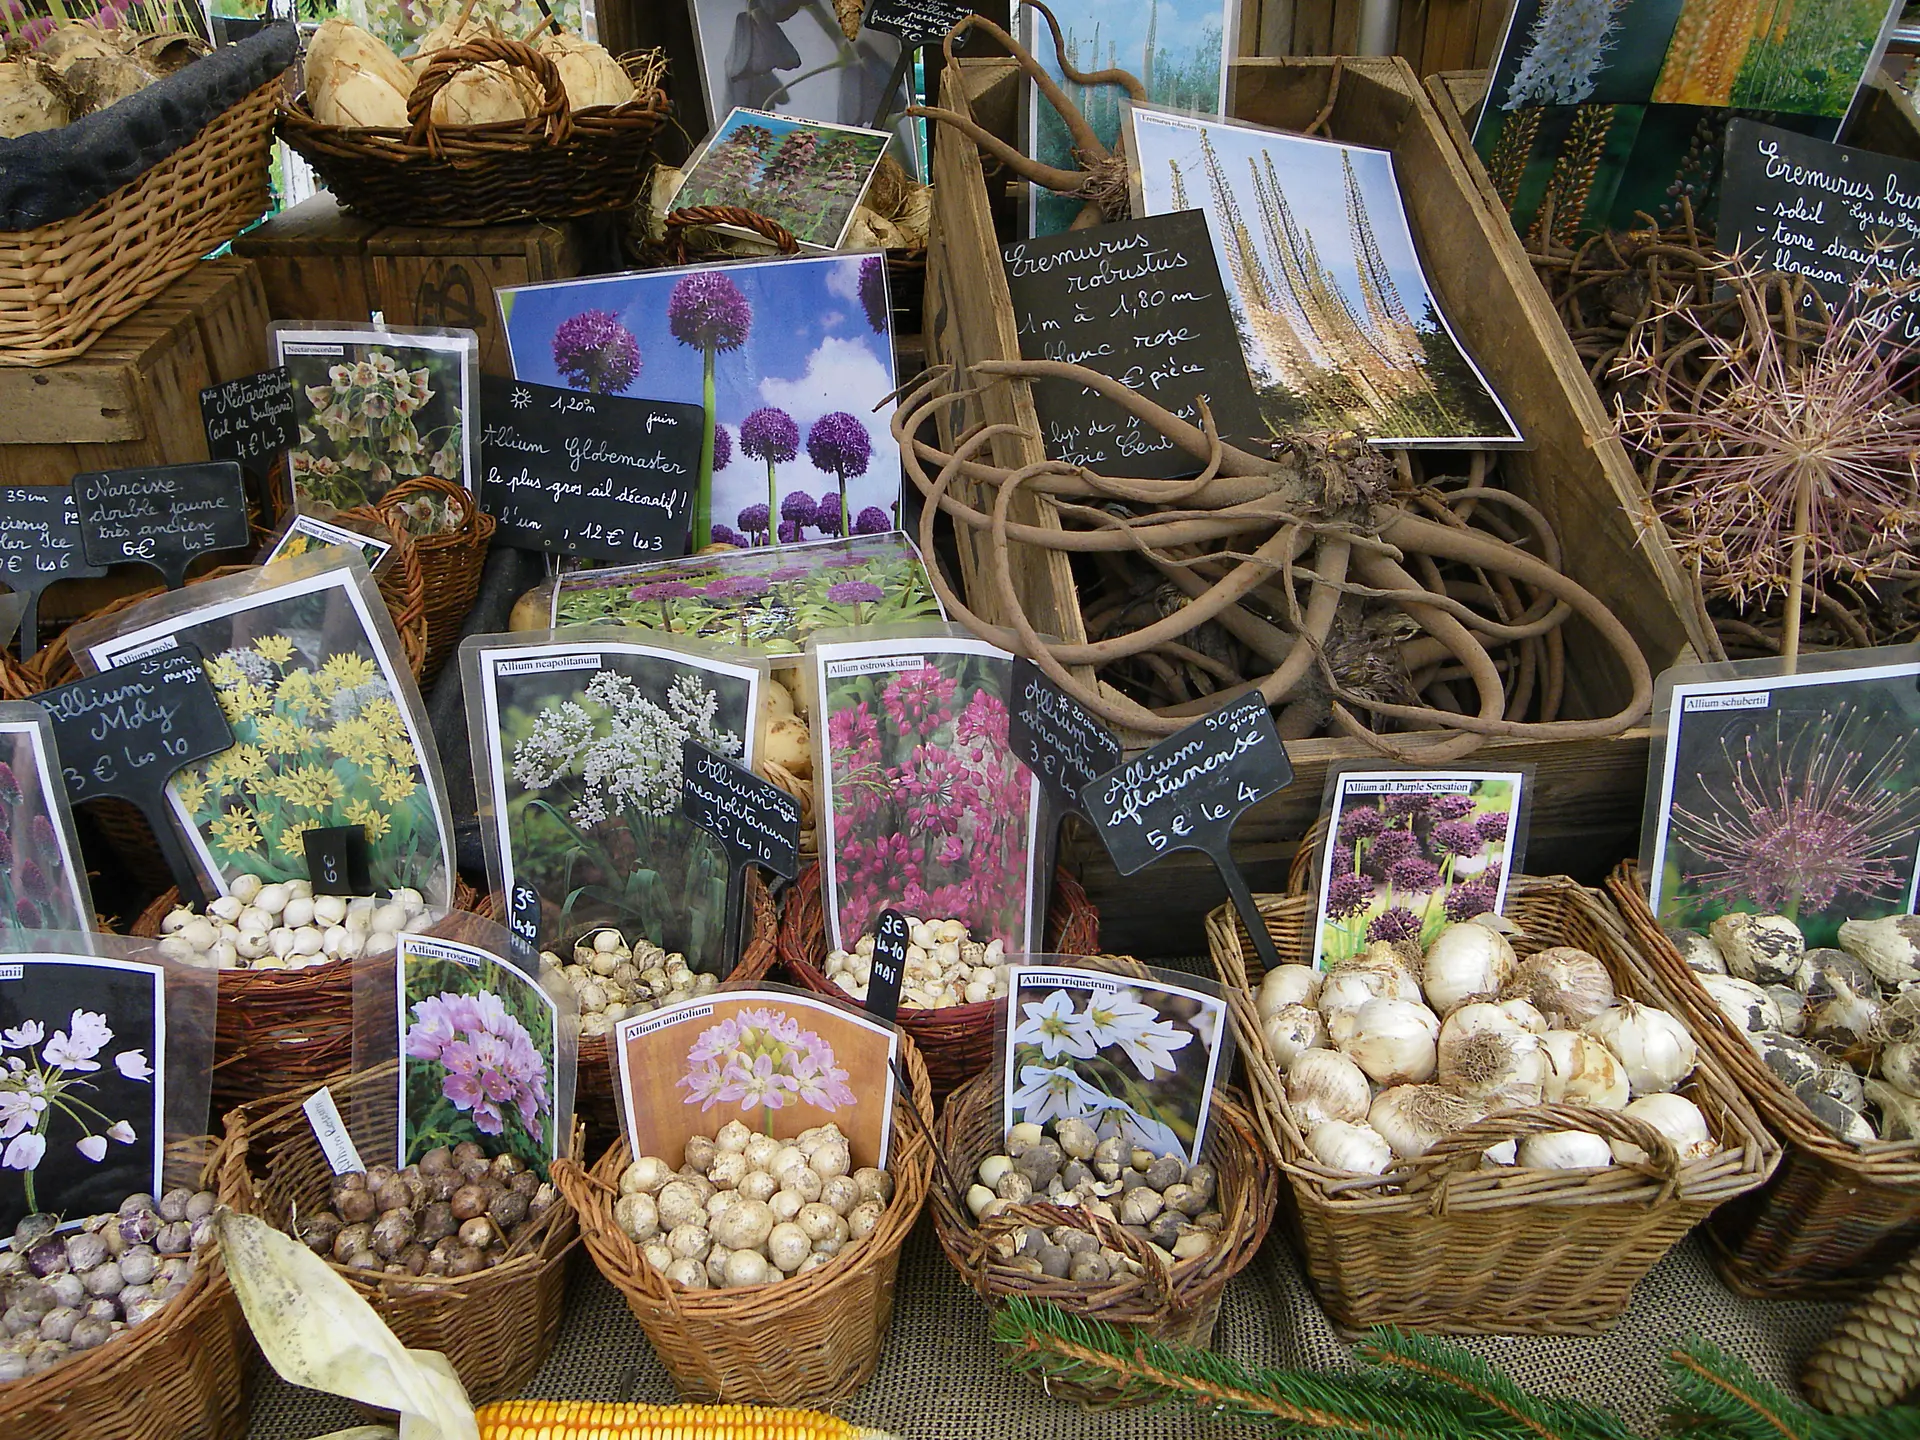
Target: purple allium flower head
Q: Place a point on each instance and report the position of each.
(1414, 874)
(753, 519)
(1399, 923)
(662, 590)
(787, 574)
(596, 352)
(722, 448)
(34, 880)
(1463, 902)
(41, 833)
(797, 505)
(1404, 805)
(789, 532)
(1342, 860)
(1492, 826)
(827, 520)
(1457, 837)
(1348, 895)
(840, 445)
(488, 1057)
(736, 587)
(1390, 847)
(873, 292)
(855, 592)
(872, 521)
(769, 434)
(1451, 807)
(708, 312)
(1361, 823)
(724, 535)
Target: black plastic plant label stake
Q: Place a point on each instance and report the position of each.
(337, 860)
(889, 966)
(166, 516)
(39, 544)
(250, 420)
(758, 823)
(1185, 794)
(125, 732)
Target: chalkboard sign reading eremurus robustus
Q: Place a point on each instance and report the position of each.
(758, 824)
(128, 730)
(1185, 794)
(166, 516)
(39, 545)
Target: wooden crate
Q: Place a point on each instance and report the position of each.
(1574, 468)
(319, 262)
(1429, 35)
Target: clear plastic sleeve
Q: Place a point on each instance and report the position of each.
(43, 884)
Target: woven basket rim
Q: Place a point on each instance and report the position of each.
(297, 114)
(1748, 1154)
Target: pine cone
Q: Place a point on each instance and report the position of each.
(1873, 1359)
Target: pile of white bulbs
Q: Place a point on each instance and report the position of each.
(612, 980)
(944, 967)
(285, 926)
(1390, 1051)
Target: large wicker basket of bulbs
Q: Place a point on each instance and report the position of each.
(475, 128)
(1500, 1135)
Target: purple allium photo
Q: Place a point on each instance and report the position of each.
(855, 592)
(872, 521)
(726, 535)
(1362, 822)
(1451, 807)
(708, 312)
(1416, 874)
(488, 1059)
(769, 434)
(789, 533)
(840, 445)
(1457, 837)
(596, 352)
(1348, 895)
(737, 587)
(1492, 826)
(1399, 923)
(753, 519)
(1463, 902)
(722, 447)
(873, 292)
(798, 509)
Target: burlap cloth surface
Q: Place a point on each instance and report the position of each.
(940, 1379)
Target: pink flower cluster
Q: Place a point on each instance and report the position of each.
(762, 1059)
(930, 808)
(488, 1055)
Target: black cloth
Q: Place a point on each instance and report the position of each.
(53, 174)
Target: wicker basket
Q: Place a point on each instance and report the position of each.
(558, 164)
(1836, 1216)
(450, 562)
(1178, 1305)
(957, 1041)
(181, 1376)
(810, 1340)
(64, 285)
(495, 1326)
(279, 1030)
(1443, 1245)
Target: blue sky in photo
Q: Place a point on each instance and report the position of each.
(810, 351)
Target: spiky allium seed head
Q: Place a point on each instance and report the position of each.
(1399, 923)
(753, 518)
(1406, 806)
(1390, 847)
(797, 506)
(855, 592)
(1463, 902)
(1457, 837)
(722, 448)
(596, 352)
(872, 521)
(1362, 822)
(1414, 874)
(1348, 895)
(1492, 826)
(1805, 817)
(1450, 807)
(873, 292)
(1726, 465)
(840, 445)
(707, 311)
(769, 434)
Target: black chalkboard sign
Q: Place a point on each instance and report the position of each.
(758, 823)
(889, 966)
(1827, 212)
(1141, 302)
(167, 516)
(250, 420)
(39, 544)
(337, 860)
(523, 913)
(916, 22)
(125, 731)
(1186, 792)
(1056, 737)
(594, 475)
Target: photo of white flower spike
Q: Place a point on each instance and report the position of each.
(1570, 40)
(1132, 1058)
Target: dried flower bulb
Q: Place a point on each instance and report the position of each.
(1900, 1066)
(1899, 1111)
(1747, 1006)
(1356, 1149)
(1526, 1015)
(1327, 1085)
(1792, 1006)
(1675, 1117)
(1697, 951)
(1287, 985)
(1290, 1030)
(1393, 1041)
(1566, 985)
(1482, 1050)
(1654, 1047)
(1766, 949)
(1843, 1013)
(1466, 962)
(1565, 1150)
(1581, 1070)
(1412, 1119)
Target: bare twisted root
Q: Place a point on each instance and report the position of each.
(1423, 621)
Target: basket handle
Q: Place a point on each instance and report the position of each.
(1462, 1149)
(678, 222)
(555, 117)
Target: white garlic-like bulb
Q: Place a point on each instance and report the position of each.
(1566, 985)
(1466, 962)
(1287, 985)
(1526, 1015)
(1766, 949)
(1900, 1066)
(1326, 1085)
(1675, 1117)
(1655, 1049)
(1357, 1149)
(1482, 1051)
(1412, 1119)
(1565, 1150)
(1890, 947)
(1393, 1041)
(1744, 1003)
(1290, 1030)
(1699, 953)
(1581, 1070)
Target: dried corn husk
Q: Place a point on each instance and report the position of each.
(591, 75)
(360, 98)
(27, 102)
(481, 95)
(339, 48)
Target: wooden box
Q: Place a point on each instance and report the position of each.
(1588, 794)
(318, 262)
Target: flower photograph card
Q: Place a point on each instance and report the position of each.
(1409, 852)
(1795, 795)
(924, 807)
(1134, 1057)
(766, 601)
(579, 750)
(480, 1053)
(791, 361)
(805, 174)
(1340, 328)
(306, 534)
(43, 877)
(83, 1104)
(327, 726)
(374, 407)
(775, 1060)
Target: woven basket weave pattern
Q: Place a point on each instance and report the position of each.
(1464, 1250)
(450, 563)
(63, 286)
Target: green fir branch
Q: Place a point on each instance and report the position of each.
(1422, 1359)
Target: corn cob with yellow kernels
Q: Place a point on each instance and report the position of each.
(609, 1420)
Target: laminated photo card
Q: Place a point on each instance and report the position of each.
(922, 805)
(43, 877)
(327, 723)
(374, 407)
(791, 361)
(577, 739)
(306, 535)
(805, 174)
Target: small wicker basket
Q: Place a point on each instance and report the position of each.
(809, 1340)
(183, 1375)
(1836, 1216)
(449, 562)
(957, 1041)
(495, 1326)
(560, 163)
(1444, 1245)
(1178, 1305)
